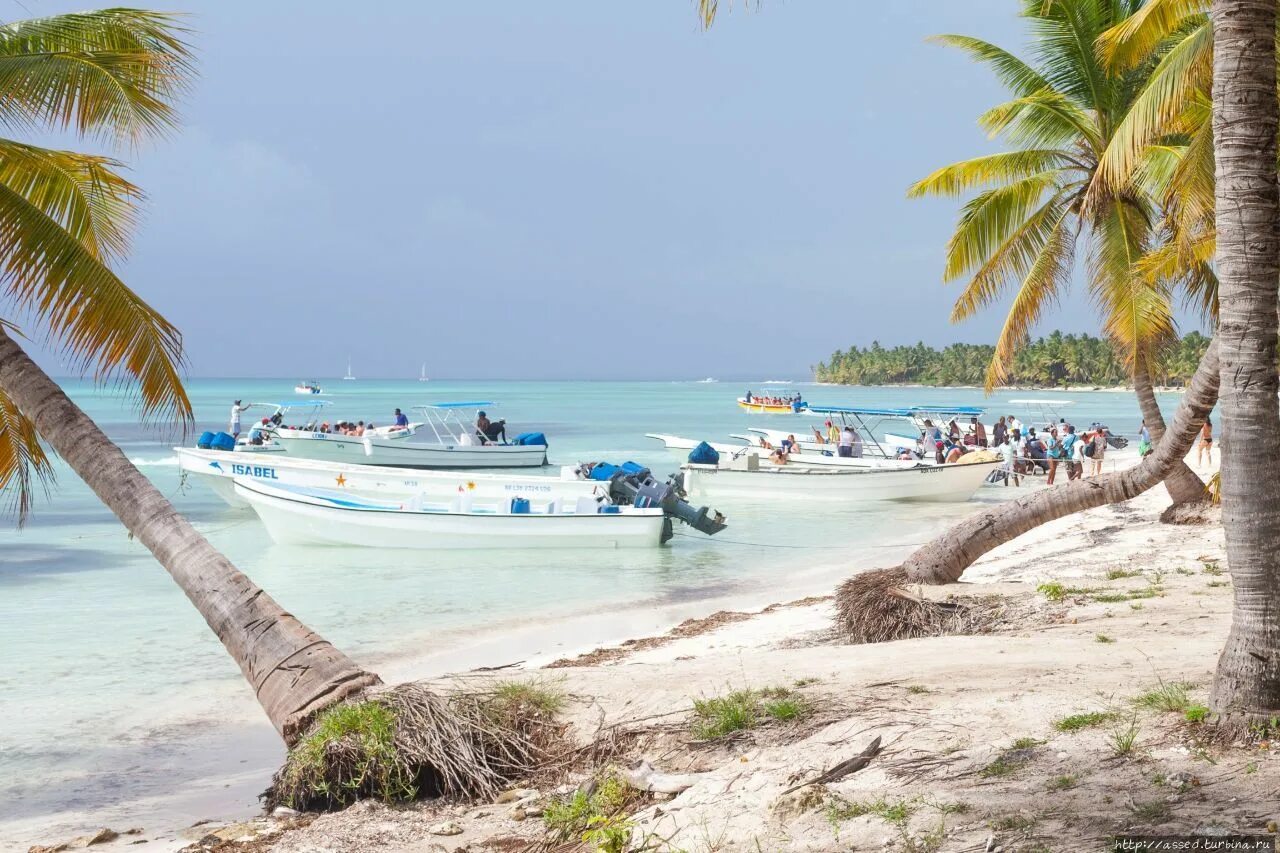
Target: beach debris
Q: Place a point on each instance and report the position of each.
(284, 811)
(448, 827)
(517, 813)
(644, 777)
(512, 795)
(102, 836)
(843, 769)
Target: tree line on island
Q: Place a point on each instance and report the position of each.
(1052, 361)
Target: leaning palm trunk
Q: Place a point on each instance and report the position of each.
(869, 607)
(1182, 484)
(1246, 118)
(944, 559)
(294, 672)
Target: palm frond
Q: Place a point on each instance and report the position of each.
(958, 178)
(89, 312)
(114, 73)
(1136, 38)
(1016, 75)
(1064, 33)
(989, 219)
(1137, 311)
(1049, 275)
(23, 463)
(81, 192)
(1013, 259)
(1044, 119)
(1182, 74)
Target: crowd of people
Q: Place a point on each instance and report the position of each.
(1057, 447)
(356, 429)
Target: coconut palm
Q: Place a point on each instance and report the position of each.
(1040, 202)
(1246, 119)
(65, 218)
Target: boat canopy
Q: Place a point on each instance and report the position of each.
(466, 404)
(964, 411)
(860, 410)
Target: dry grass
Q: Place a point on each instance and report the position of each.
(872, 608)
(409, 741)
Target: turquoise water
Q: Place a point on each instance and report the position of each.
(109, 674)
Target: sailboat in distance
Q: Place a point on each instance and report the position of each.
(349, 377)
(422, 377)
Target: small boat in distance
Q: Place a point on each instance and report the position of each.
(707, 380)
(308, 386)
(781, 403)
(422, 377)
(349, 377)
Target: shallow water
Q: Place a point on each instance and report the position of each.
(109, 675)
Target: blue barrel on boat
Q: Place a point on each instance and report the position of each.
(205, 440)
(223, 441)
(530, 438)
(519, 506)
(610, 509)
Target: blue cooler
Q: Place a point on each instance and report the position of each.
(610, 509)
(205, 440)
(519, 506)
(223, 441)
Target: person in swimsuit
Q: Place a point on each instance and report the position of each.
(1205, 447)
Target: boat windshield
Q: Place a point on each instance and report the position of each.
(450, 421)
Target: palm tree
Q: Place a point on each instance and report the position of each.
(65, 219)
(1246, 118)
(1038, 201)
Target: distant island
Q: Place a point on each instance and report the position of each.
(1054, 361)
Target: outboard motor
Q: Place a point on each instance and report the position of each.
(633, 484)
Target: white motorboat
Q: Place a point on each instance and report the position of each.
(455, 444)
(323, 517)
(219, 469)
(810, 455)
(749, 477)
(307, 387)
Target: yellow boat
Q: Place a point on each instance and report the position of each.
(759, 406)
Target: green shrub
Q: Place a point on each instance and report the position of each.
(1076, 722)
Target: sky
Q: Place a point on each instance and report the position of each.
(567, 189)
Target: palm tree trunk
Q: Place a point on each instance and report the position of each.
(1246, 118)
(1182, 484)
(945, 558)
(294, 671)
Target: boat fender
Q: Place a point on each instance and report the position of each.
(368, 447)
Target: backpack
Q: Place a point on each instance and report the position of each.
(1089, 447)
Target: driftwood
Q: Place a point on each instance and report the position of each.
(843, 769)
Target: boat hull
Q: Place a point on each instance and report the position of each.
(925, 483)
(768, 408)
(396, 453)
(218, 470)
(301, 519)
